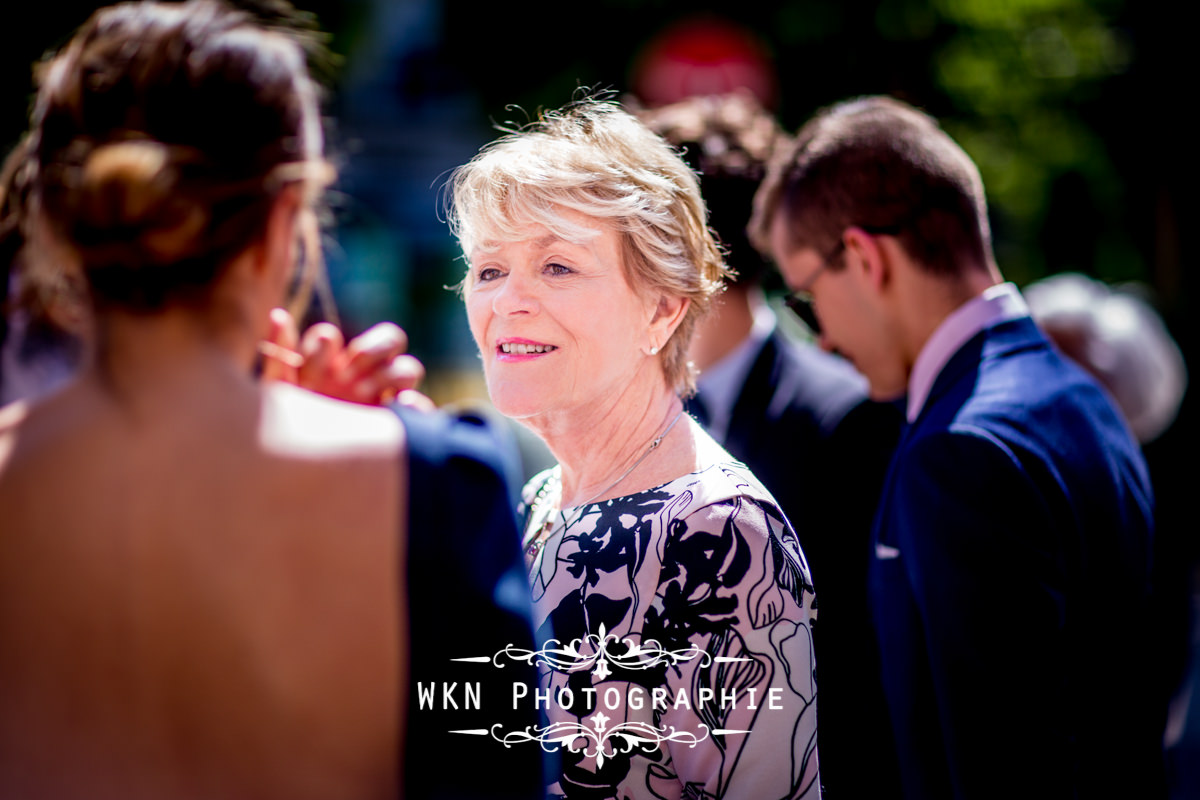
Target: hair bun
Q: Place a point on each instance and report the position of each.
(126, 179)
(130, 205)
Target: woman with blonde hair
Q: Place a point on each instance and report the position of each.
(672, 599)
(206, 580)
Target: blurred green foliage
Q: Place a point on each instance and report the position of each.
(1021, 73)
(1058, 101)
(1028, 87)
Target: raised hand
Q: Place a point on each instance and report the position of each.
(372, 368)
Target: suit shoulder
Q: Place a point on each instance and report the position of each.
(811, 380)
(1040, 399)
(463, 439)
(958, 445)
(965, 471)
(1060, 438)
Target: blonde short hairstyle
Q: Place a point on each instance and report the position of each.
(595, 158)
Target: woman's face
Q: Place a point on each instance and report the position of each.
(557, 323)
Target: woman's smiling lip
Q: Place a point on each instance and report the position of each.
(516, 349)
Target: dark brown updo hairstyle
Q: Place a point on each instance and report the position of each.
(729, 140)
(161, 135)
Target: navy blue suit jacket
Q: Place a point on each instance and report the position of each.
(468, 597)
(1010, 581)
(803, 424)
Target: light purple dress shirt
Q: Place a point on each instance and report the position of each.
(997, 304)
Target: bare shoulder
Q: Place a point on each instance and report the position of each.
(296, 422)
(12, 415)
(11, 418)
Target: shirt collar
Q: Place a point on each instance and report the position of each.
(997, 304)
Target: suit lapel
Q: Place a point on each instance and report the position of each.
(754, 399)
(998, 341)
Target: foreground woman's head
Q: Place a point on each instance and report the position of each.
(162, 135)
(586, 238)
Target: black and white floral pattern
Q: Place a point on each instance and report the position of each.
(705, 565)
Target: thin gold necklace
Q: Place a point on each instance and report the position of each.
(548, 528)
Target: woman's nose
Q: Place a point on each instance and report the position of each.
(516, 295)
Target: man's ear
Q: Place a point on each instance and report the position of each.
(869, 257)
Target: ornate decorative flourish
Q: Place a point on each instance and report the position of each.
(595, 651)
(599, 741)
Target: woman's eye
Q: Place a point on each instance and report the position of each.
(487, 274)
(558, 269)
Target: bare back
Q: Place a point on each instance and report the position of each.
(204, 600)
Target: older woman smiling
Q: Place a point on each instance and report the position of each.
(670, 591)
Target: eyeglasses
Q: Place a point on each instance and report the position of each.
(800, 301)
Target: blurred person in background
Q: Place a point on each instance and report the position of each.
(1119, 338)
(207, 581)
(43, 317)
(1116, 334)
(801, 420)
(1011, 573)
(659, 563)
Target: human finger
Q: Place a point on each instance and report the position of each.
(279, 348)
(402, 373)
(323, 348)
(414, 399)
(374, 349)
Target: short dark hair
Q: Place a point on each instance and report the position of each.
(729, 140)
(884, 166)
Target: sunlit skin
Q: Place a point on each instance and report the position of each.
(847, 304)
(879, 308)
(201, 461)
(565, 342)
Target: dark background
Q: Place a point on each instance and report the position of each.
(1073, 110)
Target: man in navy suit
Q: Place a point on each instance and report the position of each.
(801, 420)
(1010, 572)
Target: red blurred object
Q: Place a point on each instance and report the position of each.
(701, 56)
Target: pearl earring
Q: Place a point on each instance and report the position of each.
(653, 351)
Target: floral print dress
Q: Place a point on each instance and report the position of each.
(674, 628)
